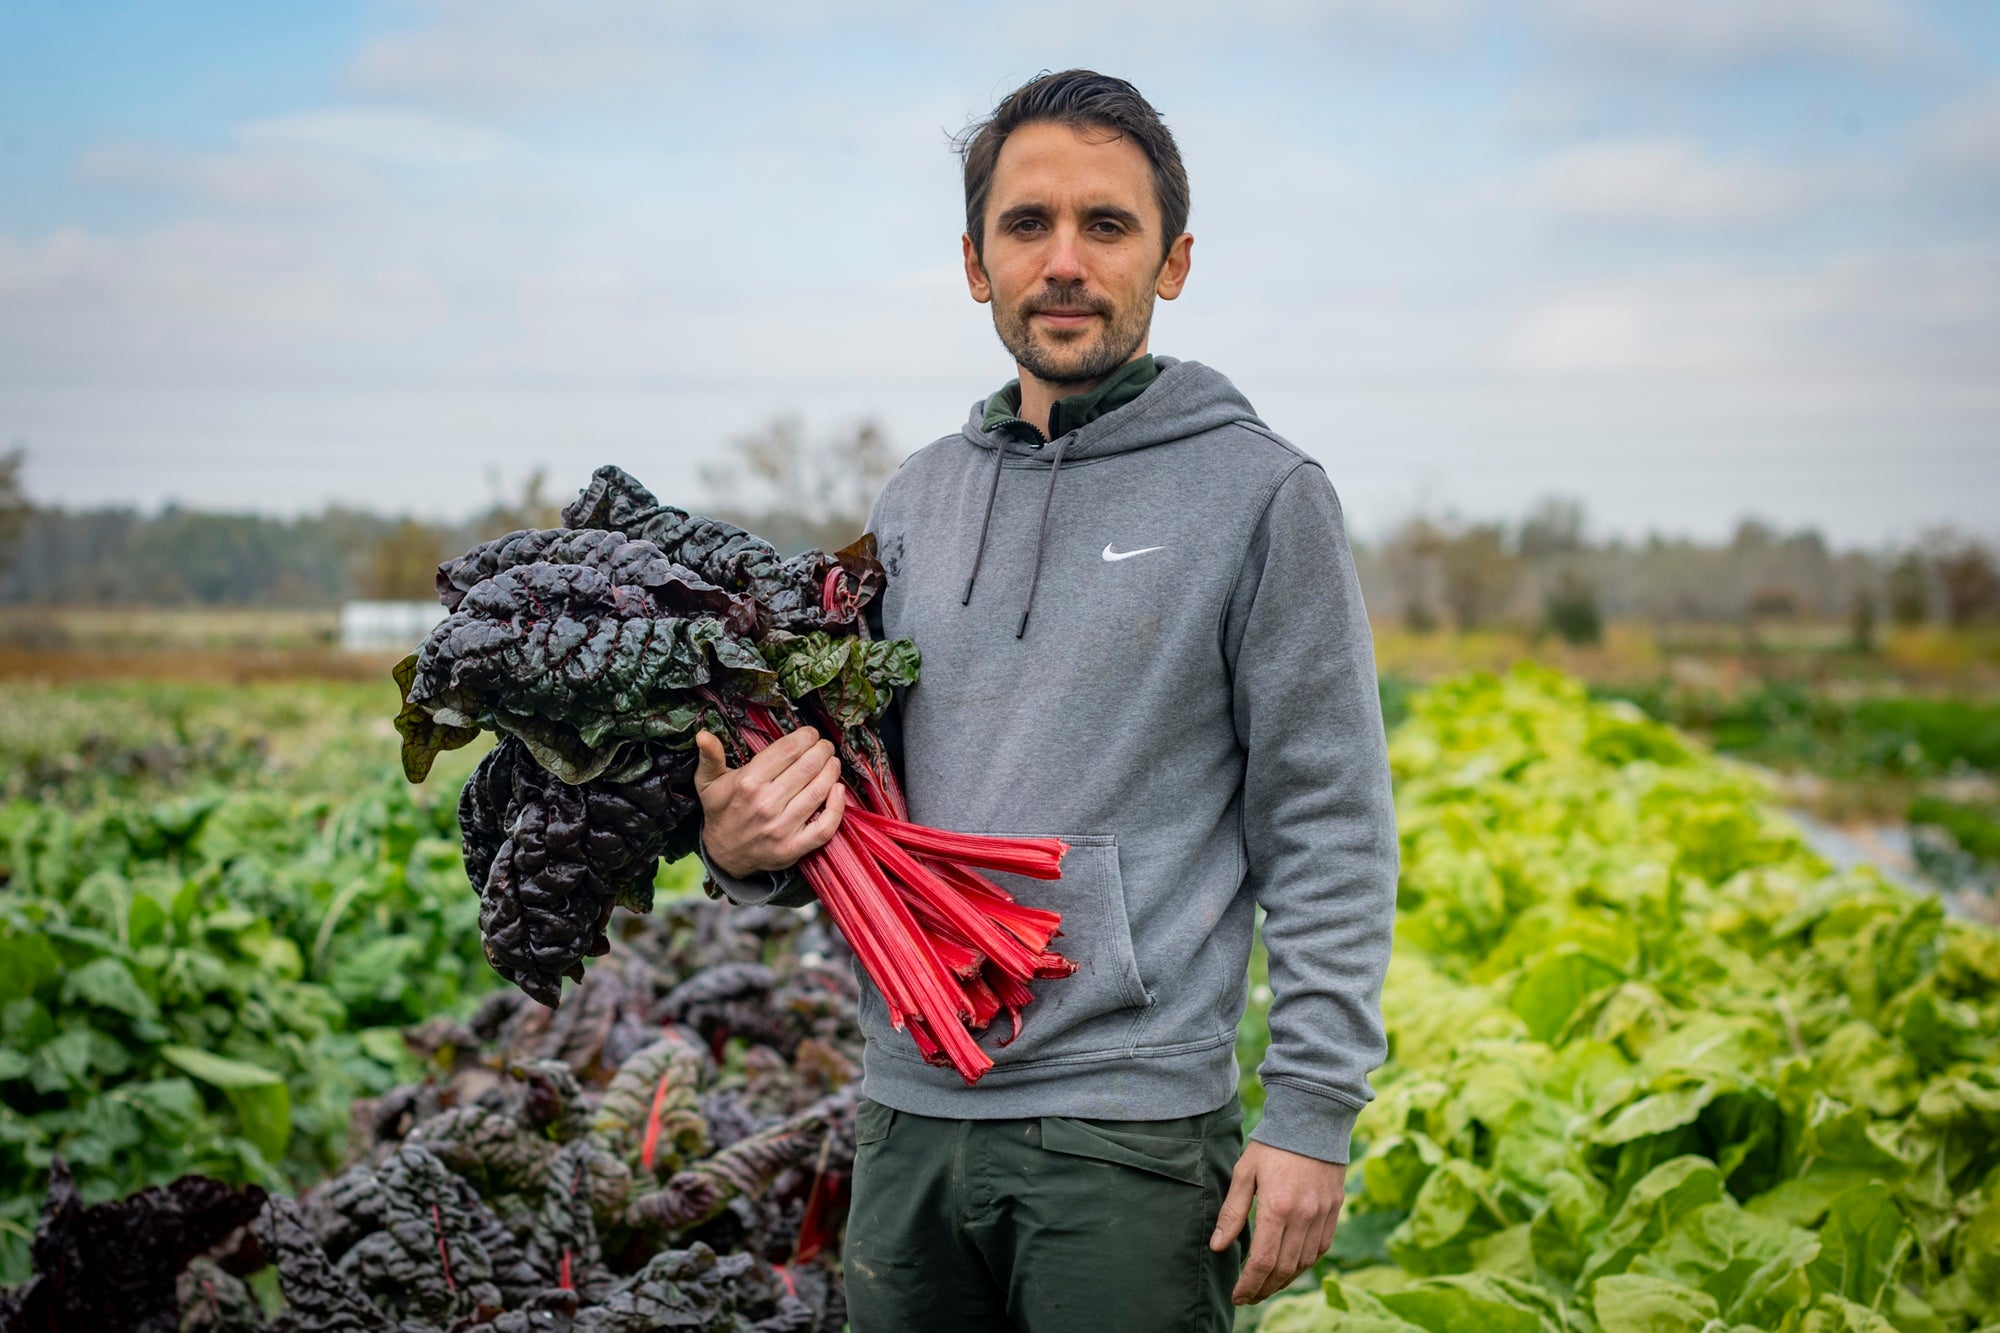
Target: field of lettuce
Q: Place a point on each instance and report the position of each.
(1653, 1067)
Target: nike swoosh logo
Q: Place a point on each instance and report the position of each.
(1110, 555)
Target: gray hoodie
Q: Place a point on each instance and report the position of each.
(1146, 638)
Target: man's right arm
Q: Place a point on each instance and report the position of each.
(758, 820)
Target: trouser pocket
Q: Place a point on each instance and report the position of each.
(1110, 1225)
(1049, 1225)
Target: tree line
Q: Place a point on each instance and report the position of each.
(1545, 571)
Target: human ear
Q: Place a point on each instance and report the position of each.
(1174, 269)
(975, 272)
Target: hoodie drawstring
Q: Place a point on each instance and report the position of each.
(1041, 535)
(992, 492)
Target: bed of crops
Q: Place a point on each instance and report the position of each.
(195, 977)
(1653, 1067)
(1930, 762)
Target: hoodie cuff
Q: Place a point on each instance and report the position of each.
(1307, 1123)
(756, 891)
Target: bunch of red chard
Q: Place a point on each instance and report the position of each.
(598, 650)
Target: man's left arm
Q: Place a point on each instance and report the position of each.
(1320, 834)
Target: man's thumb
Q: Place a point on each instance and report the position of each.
(1235, 1208)
(712, 764)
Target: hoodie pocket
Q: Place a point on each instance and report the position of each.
(1063, 1019)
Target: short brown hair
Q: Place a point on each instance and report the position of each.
(1078, 98)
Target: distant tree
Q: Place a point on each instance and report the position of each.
(1555, 527)
(1479, 574)
(1753, 534)
(1569, 608)
(1861, 620)
(1771, 602)
(1409, 561)
(1908, 589)
(14, 505)
(797, 492)
(1970, 581)
(402, 564)
(1551, 541)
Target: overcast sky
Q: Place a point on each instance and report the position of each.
(1682, 260)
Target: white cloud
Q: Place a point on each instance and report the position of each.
(390, 134)
(1174, 21)
(1721, 32)
(1870, 316)
(1671, 181)
(262, 181)
(501, 54)
(507, 53)
(1965, 137)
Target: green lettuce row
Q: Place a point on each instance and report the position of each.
(1653, 1067)
(206, 984)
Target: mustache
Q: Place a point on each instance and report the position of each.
(1067, 298)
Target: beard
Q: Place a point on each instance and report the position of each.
(1079, 356)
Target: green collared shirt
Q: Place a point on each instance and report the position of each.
(1123, 385)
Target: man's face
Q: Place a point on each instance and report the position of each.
(1073, 252)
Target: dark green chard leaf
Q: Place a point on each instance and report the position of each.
(423, 737)
(789, 593)
(117, 1265)
(550, 860)
(575, 664)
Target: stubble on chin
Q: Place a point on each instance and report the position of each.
(1084, 358)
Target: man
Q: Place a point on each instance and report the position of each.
(1141, 632)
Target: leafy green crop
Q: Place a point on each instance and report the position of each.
(1652, 1067)
(205, 984)
(1789, 724)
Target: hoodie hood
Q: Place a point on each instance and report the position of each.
(1186, 399)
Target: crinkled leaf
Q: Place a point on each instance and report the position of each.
(790, 594)
(1550, 990)
(1451, 1211)
(115, 1265)
(576, 664)
(1976, 1250)
(1655, 1206)
(550, 859)
(1863, 1243)
(1657, 1114)
(1484, 1301)
(1632, 1303)
(1832, 1314)
(1753, 1266)
(424, 739)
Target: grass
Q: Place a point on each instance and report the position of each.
(77, 743)
(127, 629)
(229, 645)
(1724, 659)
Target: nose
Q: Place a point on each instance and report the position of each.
(1064, 259)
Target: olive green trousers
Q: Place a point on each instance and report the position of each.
(1042, 1225)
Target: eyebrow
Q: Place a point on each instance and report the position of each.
(1124, 216)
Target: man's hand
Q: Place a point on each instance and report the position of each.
(1298, 1206)
(785, 802)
